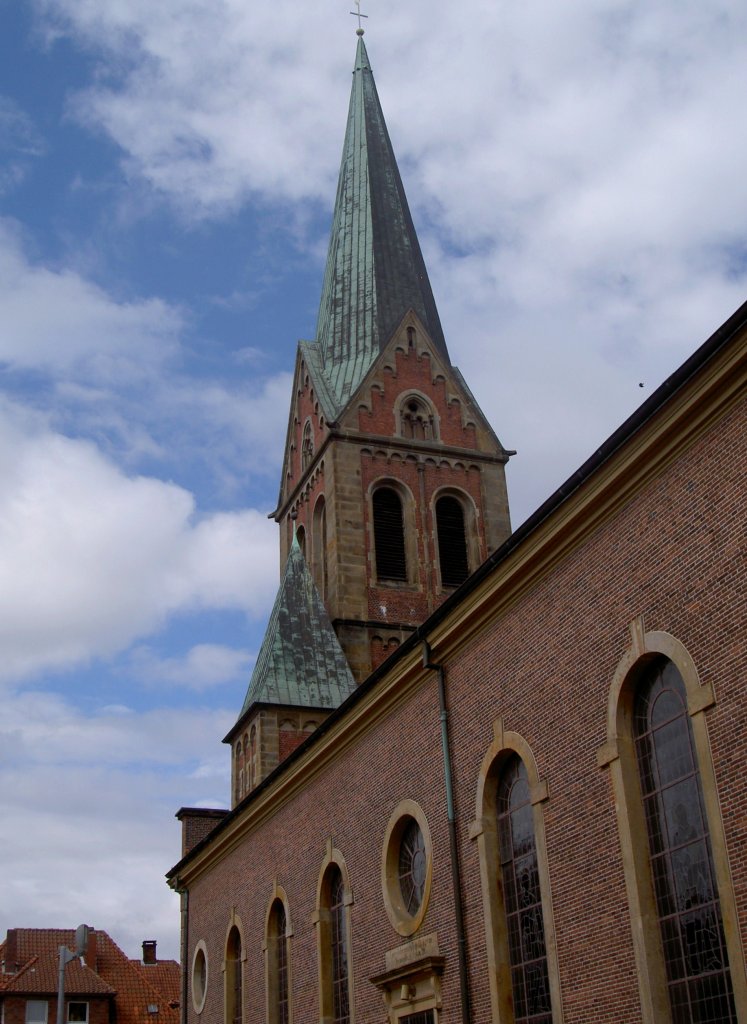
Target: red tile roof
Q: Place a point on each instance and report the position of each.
(107, 973)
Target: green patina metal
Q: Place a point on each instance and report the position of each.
(300, 662)
(375, 270)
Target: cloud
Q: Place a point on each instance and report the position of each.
(92, 559)
(204, 666)
(104, 788)
(59, 322)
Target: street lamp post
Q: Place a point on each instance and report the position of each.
(81, 942)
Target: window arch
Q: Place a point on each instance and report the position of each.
(252, 766)
(301, 538)
(332, 920)
(688, 948)
(319, 550)
(307, 445)
(389, 535)
(451, 531)
(416, 418)
(277, 960)
(519, 926)
(234, 984)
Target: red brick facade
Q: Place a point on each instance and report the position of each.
(648, 542)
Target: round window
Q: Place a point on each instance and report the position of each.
(412, 866)
(406, 867)
(199, 976)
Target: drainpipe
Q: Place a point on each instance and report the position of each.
(184, 900)
(455, 875)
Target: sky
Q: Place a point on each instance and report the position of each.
(576, 174)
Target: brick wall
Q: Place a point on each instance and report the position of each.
(674, 554)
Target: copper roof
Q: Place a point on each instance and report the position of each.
(375, 270)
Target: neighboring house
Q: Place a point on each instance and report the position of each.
(106, 987)
(480, 776)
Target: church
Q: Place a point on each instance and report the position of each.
(480, 775)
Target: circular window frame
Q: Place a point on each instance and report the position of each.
(404, 923)
(199, 1003)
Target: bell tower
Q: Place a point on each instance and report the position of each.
(393, 481)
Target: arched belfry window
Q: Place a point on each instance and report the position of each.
(522, 896)
(389, 535)
(234, 995)
(682, 868)
(452, 541)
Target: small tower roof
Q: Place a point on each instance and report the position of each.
(300, 662)
(375, 270)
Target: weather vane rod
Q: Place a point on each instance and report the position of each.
(357, 14)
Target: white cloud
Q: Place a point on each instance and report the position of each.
(104, 789)
(202, 667)
(56, 320)
(92, 559)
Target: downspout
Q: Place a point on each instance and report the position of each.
(184, 900)
(454, 848)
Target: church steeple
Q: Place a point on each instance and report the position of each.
(393, 480)
(375, 270)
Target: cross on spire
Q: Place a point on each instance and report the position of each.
(357, 14)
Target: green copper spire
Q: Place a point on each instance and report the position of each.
(375, 270)
(300, 662)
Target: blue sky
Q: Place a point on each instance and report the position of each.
(167, 173)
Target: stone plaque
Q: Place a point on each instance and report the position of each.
(415, 949)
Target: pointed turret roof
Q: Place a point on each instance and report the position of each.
(375, 270)
(300, 662)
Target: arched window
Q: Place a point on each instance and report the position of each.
(389, 535)
(452, 541)
(252, 766)
(320, 545)
(522, 896)
(238, 790)
(234, 983)
(416, 419)
(524, 976)
(338, 949)
(685, 933)
(301, 539)
(278, 988)
(307, 445)
(333, 923)
(682, 870)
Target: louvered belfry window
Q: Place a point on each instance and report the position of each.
(687, 900)
(389, 535)
(452, 541)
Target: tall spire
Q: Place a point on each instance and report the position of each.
(375, 270)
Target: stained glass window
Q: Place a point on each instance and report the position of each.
(338, 942)
(280, 965)
(522, 898)
(233, 977)
(687, 902)
(412, 866)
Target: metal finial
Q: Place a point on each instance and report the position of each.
(357, 14)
